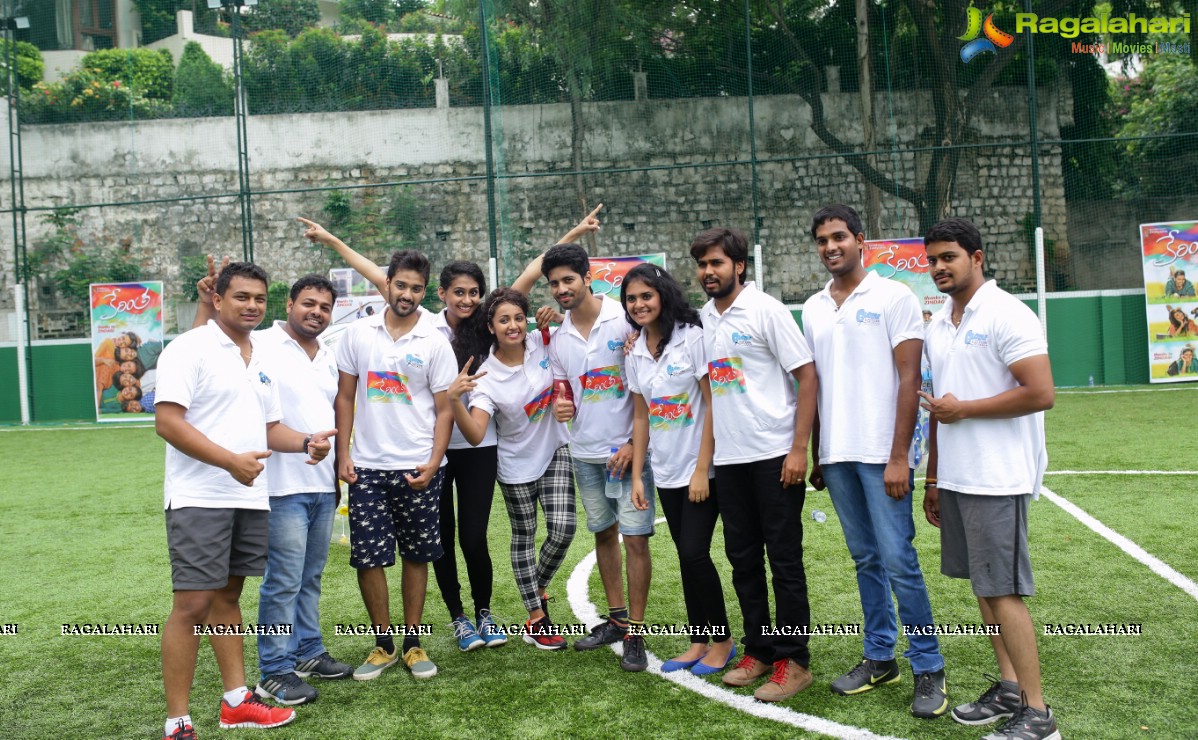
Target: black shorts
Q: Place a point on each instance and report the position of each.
(209, 545)
(386, 513)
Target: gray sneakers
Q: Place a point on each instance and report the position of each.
(931, 696)
(285, 688)
(1028, 724)
(997, 702)
(866, 675)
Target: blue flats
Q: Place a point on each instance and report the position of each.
(702, 669)
(677, 665)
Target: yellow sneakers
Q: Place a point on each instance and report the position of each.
(378, 661)
(418, 663)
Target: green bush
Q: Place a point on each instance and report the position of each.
(87, 95)
(202, 87)
(289, 16)
(30, 66)
(150, 73)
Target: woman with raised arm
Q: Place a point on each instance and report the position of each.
(514, 387)
(667, 375)
(470, 470)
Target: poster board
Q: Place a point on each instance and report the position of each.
(126, 330)
(1170, 259)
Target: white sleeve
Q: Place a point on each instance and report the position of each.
(697, 351)
(442, 365)
(1019, 335)
(785, 339)
(345, 352)
(179, 374)
(903, 318)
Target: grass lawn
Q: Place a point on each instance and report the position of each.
(83, 541)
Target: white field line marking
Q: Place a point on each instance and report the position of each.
(74, 429)
(578, 596)
(1063, 392)
(1154, 564)
(1122, 472)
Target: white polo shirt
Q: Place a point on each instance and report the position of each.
(519, 402)
(751, 350)
(456, 440)
(229, 402)
(853, 347)
(670, 387)
(595, 368)
(395, 413)
(307, 387)
(986, 456)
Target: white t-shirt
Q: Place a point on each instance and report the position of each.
(986, 456)
(307, 387)
(751, 350)
(229, 402)
(854, 359)
(395, 413)
(670, 387)
(456, 440)
(595, 368)
(519, 402)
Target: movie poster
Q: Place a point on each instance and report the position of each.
(607, 273)
(906, 261)
(126, 323)
(1170, 252)
(356, 299)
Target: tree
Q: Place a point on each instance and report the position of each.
(291, 16)
(158, 17)
(30, 66)
(1163, 101)
(202, 87)
(379, 12)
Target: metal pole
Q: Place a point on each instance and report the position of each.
(492, 233)
(20, 252)
(752, 121)
(22, 371)
(1041, 298)
(243, 154)
(1033, 116)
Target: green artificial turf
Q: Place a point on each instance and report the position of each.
(82, 541)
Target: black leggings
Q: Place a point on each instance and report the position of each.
(472, 472)
(691, 526)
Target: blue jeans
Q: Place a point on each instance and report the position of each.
(300, 527)
(602, 512)
(879, 532)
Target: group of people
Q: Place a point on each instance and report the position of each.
(124, 372)
(711, 413)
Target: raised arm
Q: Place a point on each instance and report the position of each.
(372, 272)
(532, 273)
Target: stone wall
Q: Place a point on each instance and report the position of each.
(663, 169)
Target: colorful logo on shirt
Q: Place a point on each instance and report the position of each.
(544, 363)
(671, 413)
(973, 339)
(738, 338)
(675, 370)
(263, 379)
(387, 387)
(614, 344)
(727, 376)
(536, 408)
(602, 384)
(413, 360)
(868, 318)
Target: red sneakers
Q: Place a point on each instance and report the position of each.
(252, 712)
(543, 634)
(181, 732)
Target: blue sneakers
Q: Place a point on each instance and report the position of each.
(467, 637)
(490, 632)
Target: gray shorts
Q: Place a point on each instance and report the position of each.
(984, 539)
(209, 545)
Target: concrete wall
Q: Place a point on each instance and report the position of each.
(666, 170)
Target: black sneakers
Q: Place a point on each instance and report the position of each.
(1028, 724)
(634, 654)
(323, 666)
(866, 675)
(604, 633)
(931, 697)
(285, 688)
(995, 703)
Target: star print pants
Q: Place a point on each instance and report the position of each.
(385, 513)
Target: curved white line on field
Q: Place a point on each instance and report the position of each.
(1156, 565)
(585, 611)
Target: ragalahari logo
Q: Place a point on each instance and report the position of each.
(994, 40)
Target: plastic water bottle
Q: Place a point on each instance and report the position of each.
(612, 486)
(819, 516)
(1091, 380)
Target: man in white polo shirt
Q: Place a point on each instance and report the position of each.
(866, 334)
(755, 353)
(986, 461)
(588, 351)
(394, 368)
(218, 410)
(303, 498)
